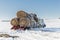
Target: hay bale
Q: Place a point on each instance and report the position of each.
(24, 22)
(21, 14)
(14, 22)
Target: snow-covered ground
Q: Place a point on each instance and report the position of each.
(52, 23)
(51, 32)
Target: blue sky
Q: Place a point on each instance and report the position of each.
(43, 8)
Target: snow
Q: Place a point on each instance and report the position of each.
(52, 23)
(51, 32)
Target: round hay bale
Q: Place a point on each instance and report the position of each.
(14, 22)
(24, 22)
(21, 14)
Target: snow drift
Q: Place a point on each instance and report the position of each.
(38, 34)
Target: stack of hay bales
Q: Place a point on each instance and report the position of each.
(23, 19)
